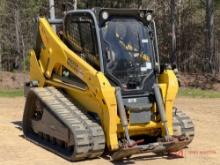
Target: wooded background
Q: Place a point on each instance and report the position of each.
(194, 26)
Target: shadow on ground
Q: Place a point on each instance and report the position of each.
(143, 157)
(132, 160)
(18, 124)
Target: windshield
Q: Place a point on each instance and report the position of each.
(129, 51)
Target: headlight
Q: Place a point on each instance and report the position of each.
(105, 15)
(149, 17)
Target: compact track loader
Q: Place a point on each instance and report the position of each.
(96, 85)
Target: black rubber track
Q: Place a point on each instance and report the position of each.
(183, 125)
(88, 135)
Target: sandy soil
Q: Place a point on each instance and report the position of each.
(205, 149)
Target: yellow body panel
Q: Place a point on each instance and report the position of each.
(169, 87)
(99, 96)
(36, 72)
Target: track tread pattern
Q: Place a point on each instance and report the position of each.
(183, 125)
(89, 139)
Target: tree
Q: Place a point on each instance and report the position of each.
(210, 41)
(173, 23)
(197, 39)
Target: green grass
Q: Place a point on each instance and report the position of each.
(198, 93)
(186, 92)
(11, 93)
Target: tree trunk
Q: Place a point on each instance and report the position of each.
(52, 12)
(0, 57)
(17, 30)
(23, 54)
(210, 41)
(173, 23)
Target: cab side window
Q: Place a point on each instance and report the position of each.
(80, 36)
(73, 36)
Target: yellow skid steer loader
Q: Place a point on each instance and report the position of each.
(97, 86)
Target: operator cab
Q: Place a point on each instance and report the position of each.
(118, 42)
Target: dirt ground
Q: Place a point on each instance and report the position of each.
(204, 150)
